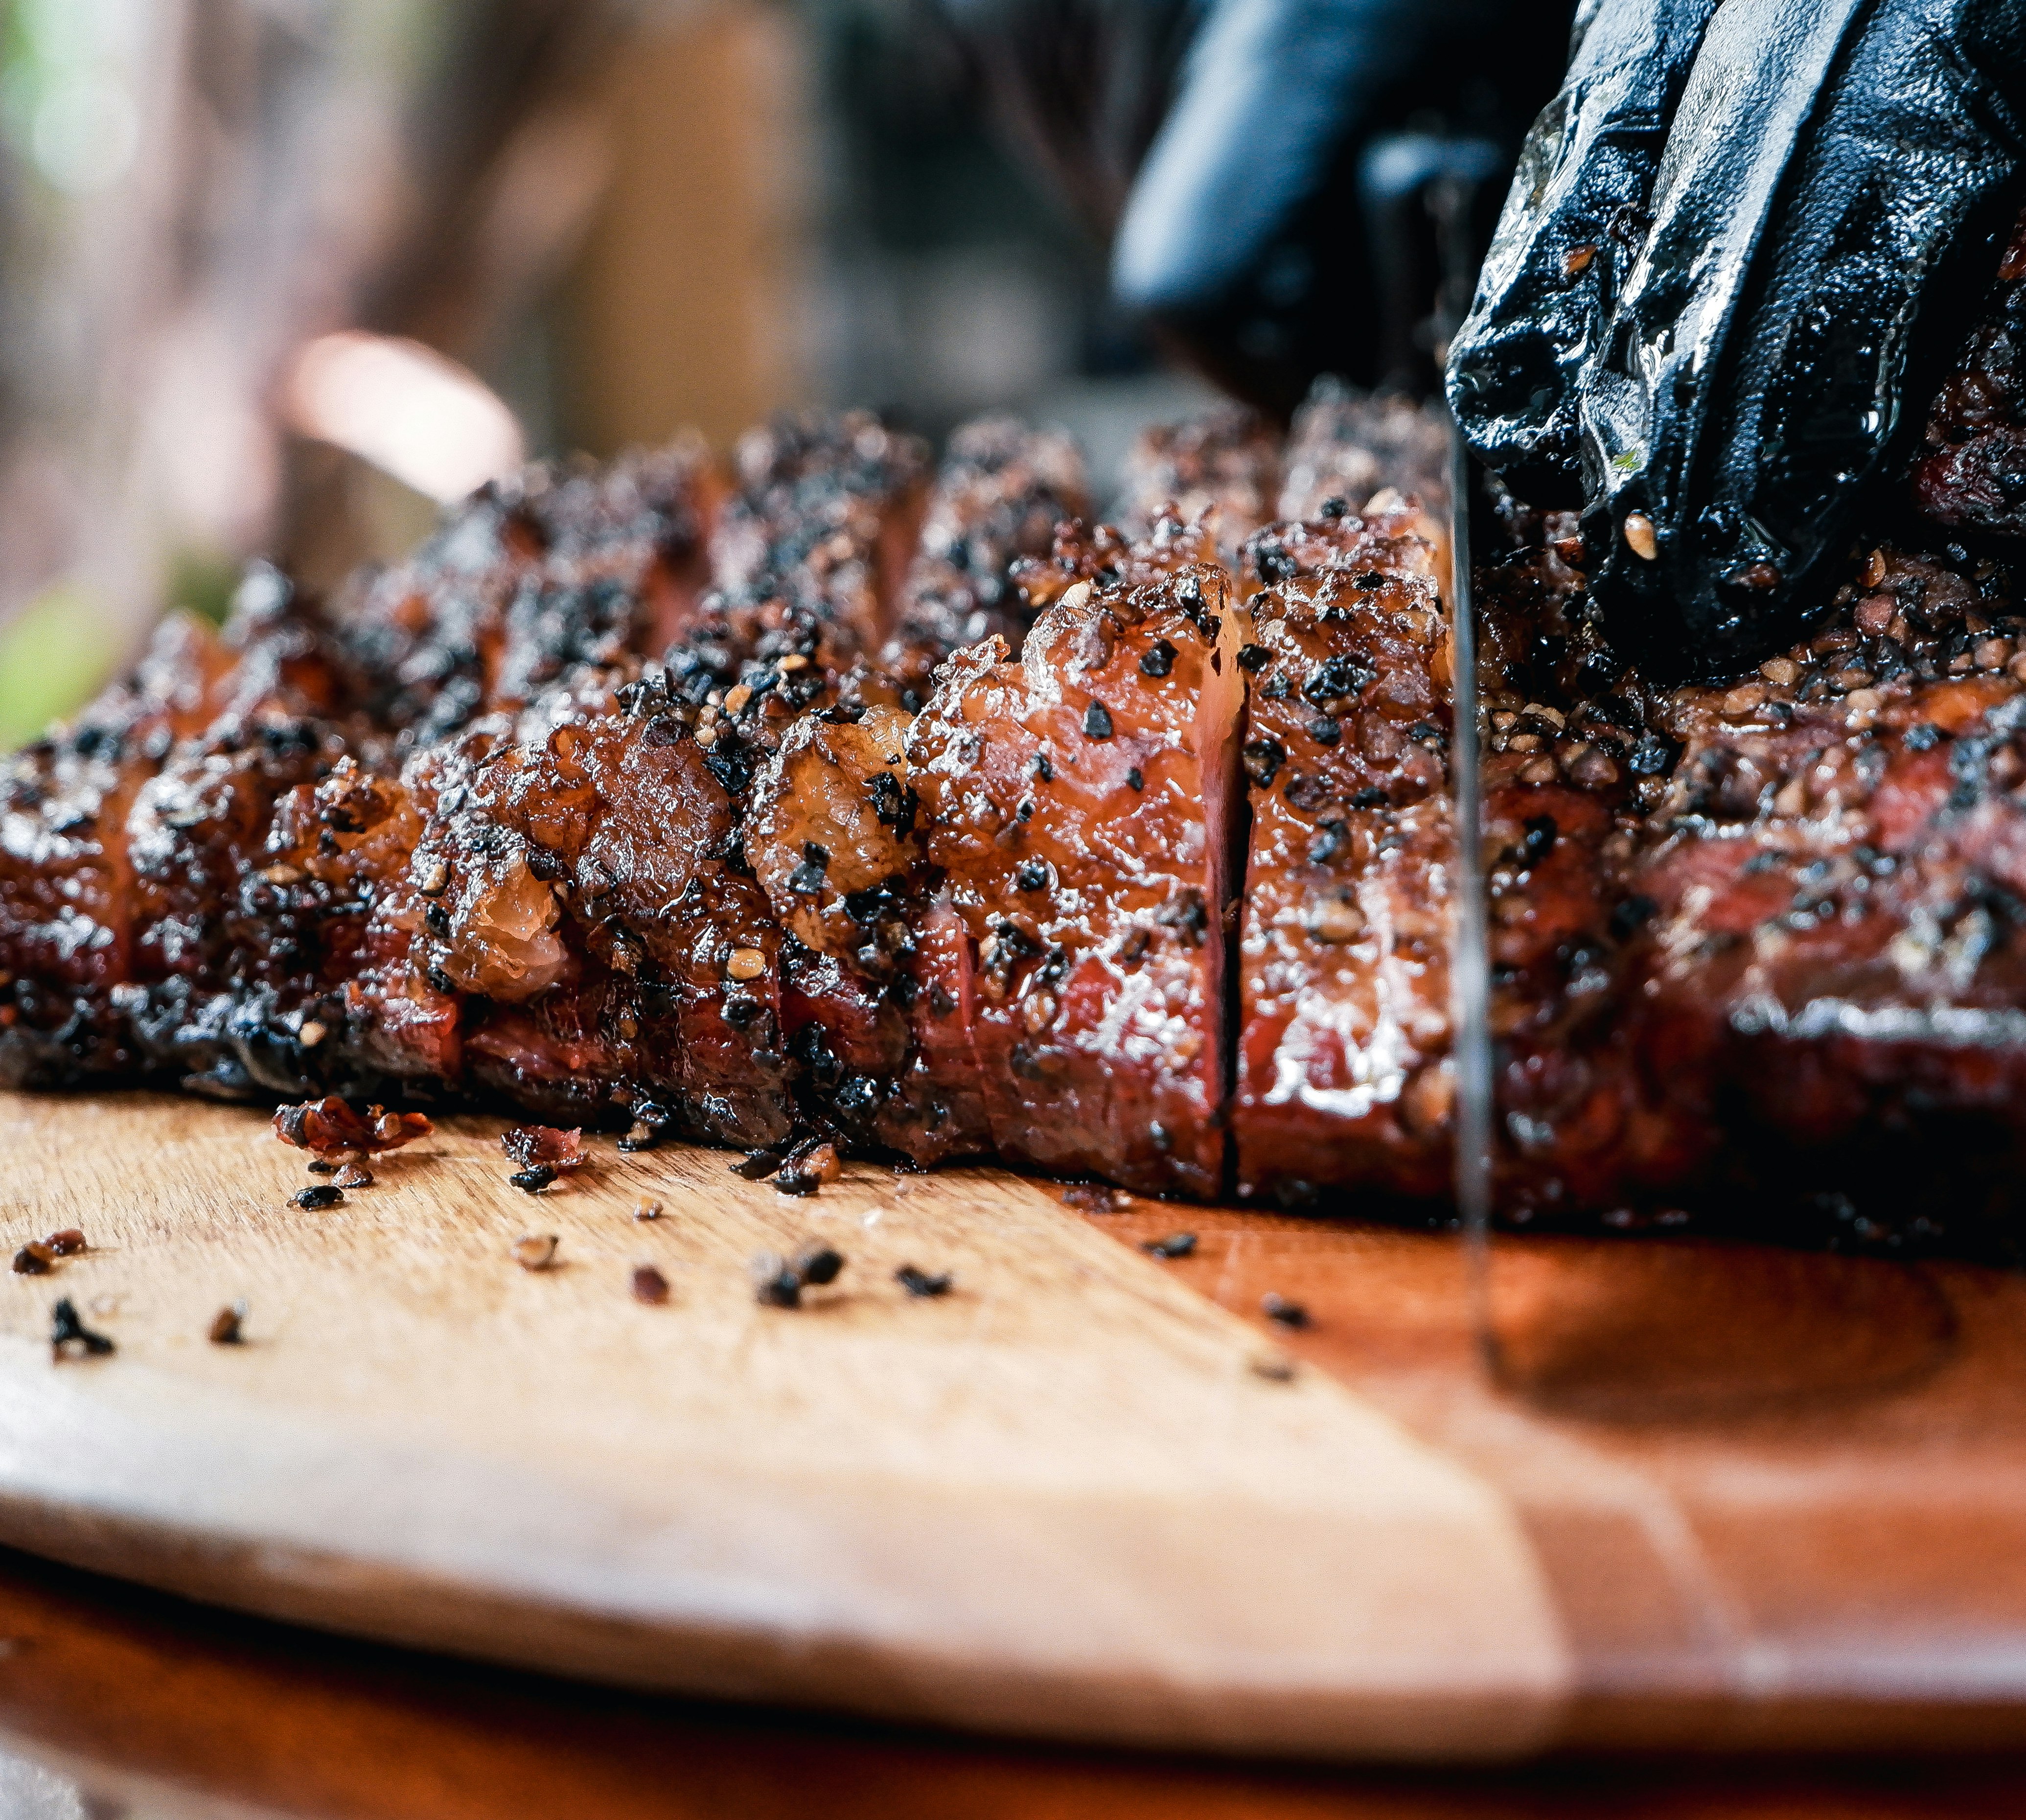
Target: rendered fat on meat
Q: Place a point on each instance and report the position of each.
(1343, 1076)
(1082, 805)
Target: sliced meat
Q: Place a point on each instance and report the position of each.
(1083, 805)
(1347, 445)
(1343, 1081)
(531, 580)
(810, 553)
(1001, 491)
(1227, 461)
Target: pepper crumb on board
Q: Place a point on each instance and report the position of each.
(545, 1147)
(1277, 1307)
(34, 1259)
(69, 1338)
(316, 1199)
(1175, 1245)
(228, 1325)
(756, 1164)
(650, 1286)
(68, 1243)
(921, 1283)
(645, 1209)
(808, 1167)
(775, 1283)
(818, 1264)
(354, 1175)
(322, 1166)
(1274, 1367)
(1095, 1198)
(533, 1181)
(535, 1251)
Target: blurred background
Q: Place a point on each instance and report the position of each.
(281, 276)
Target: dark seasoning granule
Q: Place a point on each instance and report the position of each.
(1277, 1307)
(1175, 1245)
(779, 1282)
(920, 1283)
(228, 1325)
(314, 1199)
(69, 1338)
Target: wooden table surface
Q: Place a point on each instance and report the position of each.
(150, 1709)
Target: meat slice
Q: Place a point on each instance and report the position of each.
(531, 580)
(1347, 445)
(1226, 461)
(810, 553)
(1833, 959)
(131, 843)
(66, 890)
(1083, 805)
(1343, 1081)
(1001, 491)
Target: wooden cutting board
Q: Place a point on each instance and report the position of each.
(1724, 1496)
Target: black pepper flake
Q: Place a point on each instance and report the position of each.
(1157, 660)
(1540, 841)
(1277, 1307)
(1631, 916)
(1371, 799)
(534, 1179)
(1324, 731)
(775, 1283)
(920, 1283)
(322, 1166)
(739, 1012)
(1043, 769)
(1329, 839)
(1134, 779)
(1334, 507)
(1255, 657)
(1033, 876)
(1263, 759)
(818, 1265)
(69, 1338)
(228, 1325)
(1652, 755)
(1097, 721)
(650, 1286)
(33, 1260)
(1175, 1245)
(807, 880)
(315, 1199)
(1922, 738)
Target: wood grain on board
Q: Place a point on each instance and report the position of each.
(1726, 1496)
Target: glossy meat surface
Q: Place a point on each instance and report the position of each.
(1080, 802)
(1343, 977)
(833, 802)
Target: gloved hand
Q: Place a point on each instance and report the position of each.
(1741, 244)
(1223, 147)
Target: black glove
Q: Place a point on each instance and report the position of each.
(1227, 148)
(1742, 243)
